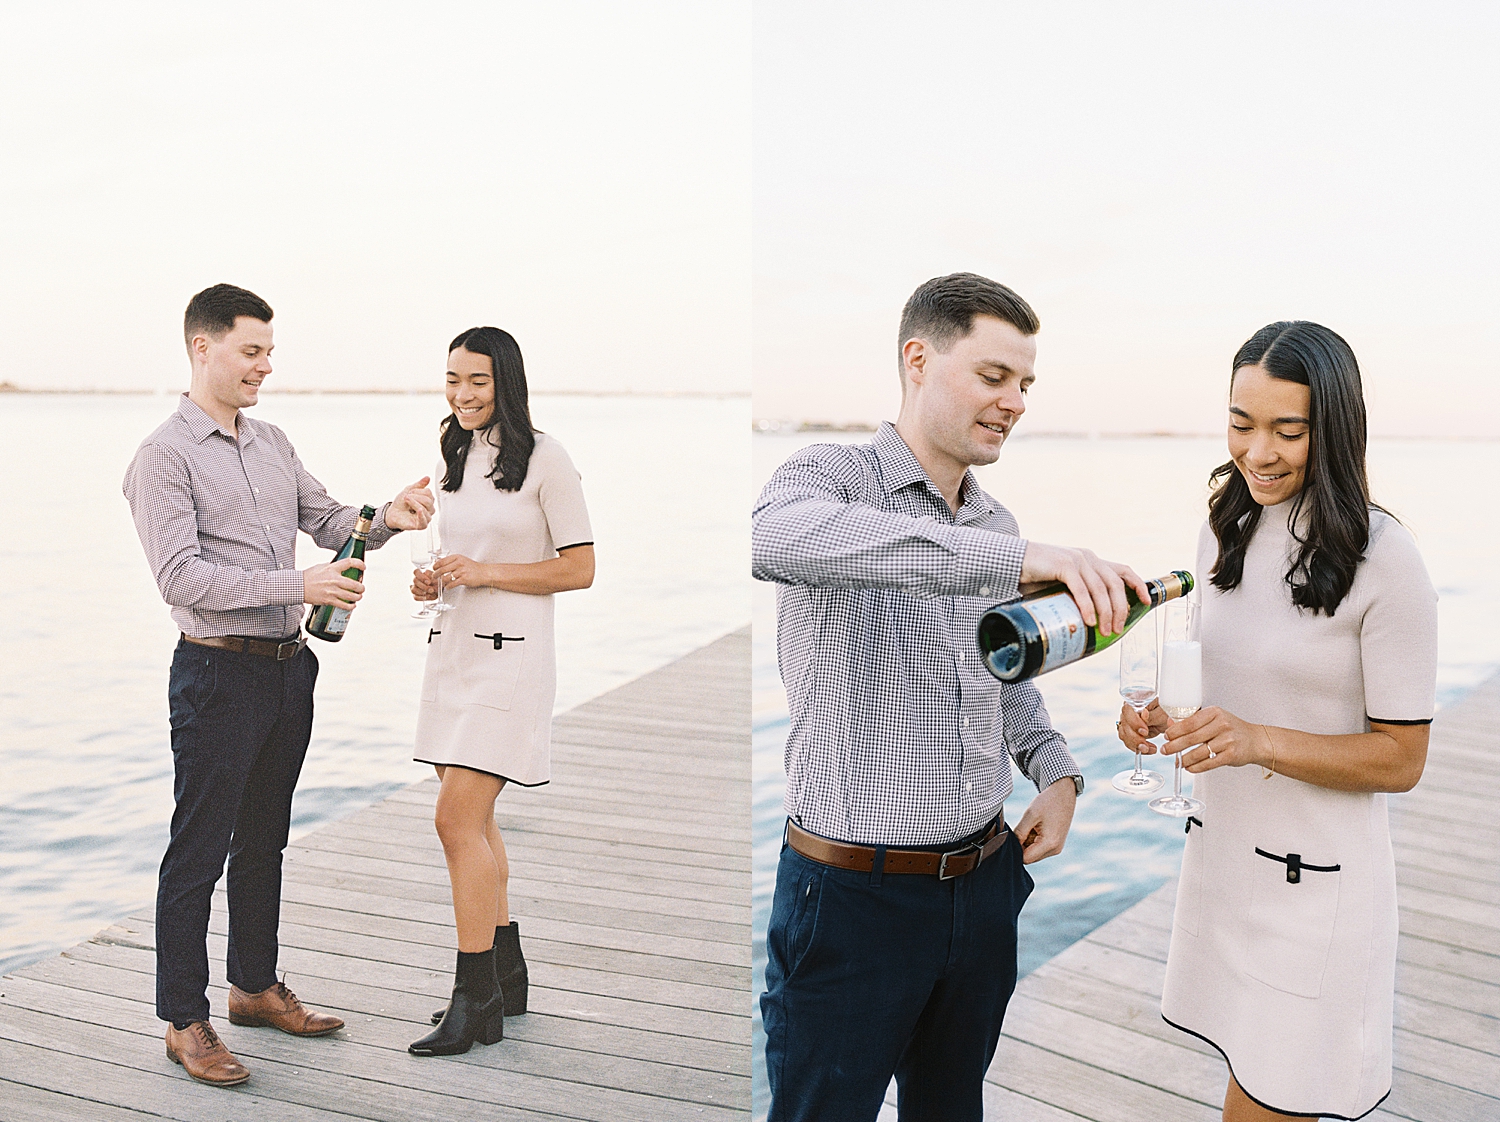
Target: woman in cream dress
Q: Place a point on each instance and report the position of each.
(515, 531)
(1319, 629)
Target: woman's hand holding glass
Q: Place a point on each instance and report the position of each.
(457, 571)
(1214, 737)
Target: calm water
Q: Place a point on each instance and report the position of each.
(85, 764)
(1140, 501)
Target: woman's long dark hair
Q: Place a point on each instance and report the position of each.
(510, 428)
(1335, 491)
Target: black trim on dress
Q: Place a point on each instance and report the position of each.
(1268, 1106)
(573, 545)
(1383, 721)
(481, 771)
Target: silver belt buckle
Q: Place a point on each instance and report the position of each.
(943, 873)
(282, 653)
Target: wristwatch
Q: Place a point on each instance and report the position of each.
(1077, 784)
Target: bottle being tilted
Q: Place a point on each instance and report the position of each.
(325, 621)
(1044, 630)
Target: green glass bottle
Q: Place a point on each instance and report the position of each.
(1045, 630)
(325, 621)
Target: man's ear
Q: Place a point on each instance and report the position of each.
(913, 362)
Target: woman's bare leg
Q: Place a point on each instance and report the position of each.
(502, 868)
(465, 803)
(1240, 1107)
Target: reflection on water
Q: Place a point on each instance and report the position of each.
(85, 760)
(1141, 501)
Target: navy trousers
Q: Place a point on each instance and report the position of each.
(240, 727)
(870, 976)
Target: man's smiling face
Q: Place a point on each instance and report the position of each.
(973, 393)
(234, 365)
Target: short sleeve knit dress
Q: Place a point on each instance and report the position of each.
(491, 672)
(1283, 952)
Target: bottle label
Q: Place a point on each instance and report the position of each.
(338, 621)
(1064, 634)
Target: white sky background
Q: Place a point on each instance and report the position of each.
(385, 176)
(1158, 180)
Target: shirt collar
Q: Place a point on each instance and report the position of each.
(900, 468)
(201, 426)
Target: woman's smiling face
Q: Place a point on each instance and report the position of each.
(471, 388)
(1269, 433)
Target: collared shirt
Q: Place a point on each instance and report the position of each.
(218, 519)
(898, 732)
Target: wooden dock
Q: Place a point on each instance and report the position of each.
(1084, 1038)
(631, 883)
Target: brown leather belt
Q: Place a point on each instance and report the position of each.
(280, 650)
(861, 858)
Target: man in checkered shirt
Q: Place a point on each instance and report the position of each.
(891, 947)
(217, 499)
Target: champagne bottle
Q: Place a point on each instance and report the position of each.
(1045, 630)
(325, 621)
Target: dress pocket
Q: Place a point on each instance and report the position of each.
(1294, 905)
(490, 668)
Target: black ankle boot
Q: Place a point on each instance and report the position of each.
(510, 968)
(476, 1013)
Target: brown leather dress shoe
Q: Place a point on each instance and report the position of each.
(203, 1055)
(279, 1008)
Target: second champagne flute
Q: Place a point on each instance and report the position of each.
(1138, 687)
(1181, 695)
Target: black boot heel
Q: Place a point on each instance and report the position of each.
(494, 1026)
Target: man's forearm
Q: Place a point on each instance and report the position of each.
(195, 583)
(807, 540)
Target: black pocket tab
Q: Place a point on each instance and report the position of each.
(500, 640)
(1294, 865)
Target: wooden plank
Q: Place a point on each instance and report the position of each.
(35, 1104)
(353, 1001)
(658, 1078)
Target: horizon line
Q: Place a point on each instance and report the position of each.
(12, 388)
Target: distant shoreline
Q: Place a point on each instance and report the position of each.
(763, 427)
(12, 388)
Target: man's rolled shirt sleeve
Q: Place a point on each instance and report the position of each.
(809, 529)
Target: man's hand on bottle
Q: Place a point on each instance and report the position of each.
(326, 584)
(412, 508)
(1097, 586)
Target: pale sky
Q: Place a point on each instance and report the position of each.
(1159, 180)
(385, 176)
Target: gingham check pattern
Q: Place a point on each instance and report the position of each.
(218, 519)
(898, 733)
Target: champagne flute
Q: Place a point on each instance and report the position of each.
(1181, 693)
(422, 557)
(427, 547)
(1138, 687)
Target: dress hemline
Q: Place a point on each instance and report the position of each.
(1267, 1106)
(480, 770)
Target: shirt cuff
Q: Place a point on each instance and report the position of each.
(987, 564)
(380, 533)
(1056, 764)
(285, 587)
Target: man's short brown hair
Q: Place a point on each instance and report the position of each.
(942, 311)
(213, 311)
